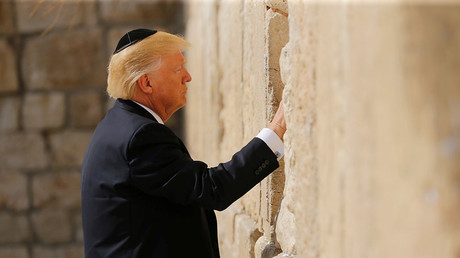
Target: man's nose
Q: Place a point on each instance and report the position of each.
(188, 77)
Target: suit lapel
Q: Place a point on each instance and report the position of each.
(135, 108)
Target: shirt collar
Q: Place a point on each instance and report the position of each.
(157, 117)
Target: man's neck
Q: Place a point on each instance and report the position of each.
(154, 107)
(153, 113)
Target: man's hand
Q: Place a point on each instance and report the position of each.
(278, 124)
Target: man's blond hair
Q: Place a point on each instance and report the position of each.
(128, 65)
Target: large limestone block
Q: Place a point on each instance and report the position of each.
(34, 16)
(52, 226)
(246, 235)
(65, 251)
(204, 96)
(271, 196)
(254, 88)
(22, 151)
(85, 109)
(13, 191)
(14, 252)
(265, 248)
(286, 229)
(230, 54)
(9, 113)
(14, 228)
(298, 70)
(276, 36)
(367, 138)
(68, 147)
(66, 60)
(160, 13)
(8, 73)
(419, 118)
(280, 6)
(6, 17)
(44, 111)
(227, 227)
(57, 190)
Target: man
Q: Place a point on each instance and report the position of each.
(142, 194)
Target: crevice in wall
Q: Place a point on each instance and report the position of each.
(220, 95)
(276, 37)
(279, 11)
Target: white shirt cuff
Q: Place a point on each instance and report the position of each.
(273, 141)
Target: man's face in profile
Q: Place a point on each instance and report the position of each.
(169, 82)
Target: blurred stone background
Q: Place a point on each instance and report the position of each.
(53, 59)
(372, 99)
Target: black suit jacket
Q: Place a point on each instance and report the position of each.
(143, 195)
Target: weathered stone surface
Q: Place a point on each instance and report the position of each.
(6, 17)
(14, 229)
(226, 222)
(276, 36)
(254, 97)
(22, 151)
(366, 158)
(265, 248)
(9, 113)
(207, 90)
(43, 111)
(85, 109)
(286, 229)
(52, 226)
(68, 148)
(14, 252)
(69, 60)
(372, 142)
(279, 5)
(8, 72)
(13, 191)
(59, 252)
(230, 45)
(57, 190)
(156, 12)
(254, 86)
(285, 255)
(231, 91)
(32, 16)
(246, 235)
(271, 196)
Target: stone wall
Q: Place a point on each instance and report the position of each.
(372, 99)
(52, 95)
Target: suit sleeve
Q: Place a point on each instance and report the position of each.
(159, 167)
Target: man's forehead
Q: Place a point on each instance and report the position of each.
(180, 58)
(175, 59)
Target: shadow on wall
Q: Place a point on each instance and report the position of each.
(52, 95)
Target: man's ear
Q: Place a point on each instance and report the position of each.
(144, 84)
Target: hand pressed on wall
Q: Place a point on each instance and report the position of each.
(278, 123)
